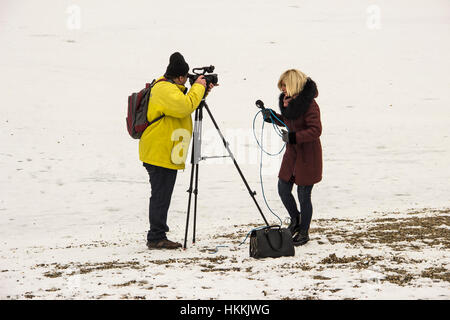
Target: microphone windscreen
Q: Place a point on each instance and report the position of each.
(259, 104)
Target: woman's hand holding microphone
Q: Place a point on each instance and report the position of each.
(288, 137)
(267, 115)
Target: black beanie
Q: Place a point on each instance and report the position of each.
(177, 66)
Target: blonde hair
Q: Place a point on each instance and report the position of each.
(294, 80)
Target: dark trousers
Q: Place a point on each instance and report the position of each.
(162, 182)
(304, 197)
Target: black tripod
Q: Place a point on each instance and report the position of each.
(195, 159)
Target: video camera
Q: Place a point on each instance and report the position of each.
(210, 78)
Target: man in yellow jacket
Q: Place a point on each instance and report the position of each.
(164, 145)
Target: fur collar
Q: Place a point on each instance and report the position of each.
(300, 104)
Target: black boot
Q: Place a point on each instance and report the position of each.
(294, 226)
(301, 238)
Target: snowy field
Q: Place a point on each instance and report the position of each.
(74, 196)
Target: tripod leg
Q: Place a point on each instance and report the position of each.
(252, 193)
(189, 206)
(195, 202)
(194, 163)
(196, 156)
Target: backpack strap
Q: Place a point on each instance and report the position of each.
(151, 86)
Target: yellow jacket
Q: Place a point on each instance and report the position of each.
(165, 143)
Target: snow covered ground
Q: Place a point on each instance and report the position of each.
(74, 197)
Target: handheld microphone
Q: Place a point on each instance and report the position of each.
(260, 104)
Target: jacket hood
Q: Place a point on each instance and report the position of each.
(300, 104)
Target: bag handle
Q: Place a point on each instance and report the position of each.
(268, 239)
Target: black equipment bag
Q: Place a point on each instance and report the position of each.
(271, 241)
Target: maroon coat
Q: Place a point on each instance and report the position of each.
(302, 161)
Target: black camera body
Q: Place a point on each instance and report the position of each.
(210, 78)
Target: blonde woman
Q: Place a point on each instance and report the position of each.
(302, 160)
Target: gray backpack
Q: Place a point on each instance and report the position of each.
(137, 110)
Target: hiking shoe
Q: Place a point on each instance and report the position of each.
(300, 238)
(294, 226)
(163, 244)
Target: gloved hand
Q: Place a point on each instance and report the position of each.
(267, 115)
(288, 137)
